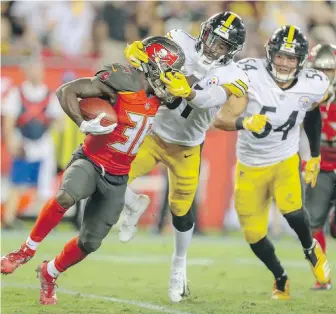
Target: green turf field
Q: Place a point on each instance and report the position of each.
(133, 278)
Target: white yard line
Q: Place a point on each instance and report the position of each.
(147, 259)
(145, 305)
(162, 259)
(145, 238)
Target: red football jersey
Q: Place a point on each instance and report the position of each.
(328, 141)
(116, 151)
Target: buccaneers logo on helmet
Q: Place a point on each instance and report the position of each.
(160, 54)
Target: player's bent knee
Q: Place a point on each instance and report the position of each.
(254, 235)
(298, 218)
(64, 199)
(263, 248)
(179, 208)
(183, 223)
(89, 245)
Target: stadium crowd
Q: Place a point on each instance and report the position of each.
(98, 31)
(102, 28)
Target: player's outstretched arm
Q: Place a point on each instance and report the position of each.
(68, 93)
(177, 84)
(227, 117)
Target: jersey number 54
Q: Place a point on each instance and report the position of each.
(285, 128)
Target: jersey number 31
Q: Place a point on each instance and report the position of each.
(135, 135)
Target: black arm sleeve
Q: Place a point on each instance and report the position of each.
(313, 126)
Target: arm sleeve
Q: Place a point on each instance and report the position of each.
(209, 97)
(313, 126)
(304, 150)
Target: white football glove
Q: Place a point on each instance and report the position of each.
(95, 128)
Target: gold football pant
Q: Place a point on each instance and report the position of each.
(183, 165)
(256, 186)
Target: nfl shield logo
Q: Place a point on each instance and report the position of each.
(147, 105)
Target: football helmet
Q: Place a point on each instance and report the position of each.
(323, 58)
(221, 37)
(164, 55)
(288, 40)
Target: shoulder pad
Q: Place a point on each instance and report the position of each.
(317, 83)
(239, 82)
(180, 37)
(120, 77)
(248, 64)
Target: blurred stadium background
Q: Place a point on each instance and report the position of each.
(65, 40)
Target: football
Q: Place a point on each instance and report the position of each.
(92, 107)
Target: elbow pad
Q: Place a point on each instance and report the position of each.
(209, 97)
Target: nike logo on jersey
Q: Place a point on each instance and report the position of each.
(186, 156)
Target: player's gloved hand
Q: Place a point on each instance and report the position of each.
(255, 123)
(95, 128)
(312, 170)
(135, 54)
(176, 84)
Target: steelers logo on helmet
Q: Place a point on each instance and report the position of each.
(286, 53)
(221, 37)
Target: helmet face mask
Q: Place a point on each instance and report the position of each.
(286, 53)
(284, 66)
(222, 36)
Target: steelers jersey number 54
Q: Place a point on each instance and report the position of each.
(285, 128)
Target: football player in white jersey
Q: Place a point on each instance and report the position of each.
(268, 162)
(180, 127)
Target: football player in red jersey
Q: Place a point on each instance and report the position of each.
(319, 199)
(99, 168)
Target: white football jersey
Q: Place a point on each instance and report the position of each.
(285, 109)
(183, 124)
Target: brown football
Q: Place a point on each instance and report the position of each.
(92, 107)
